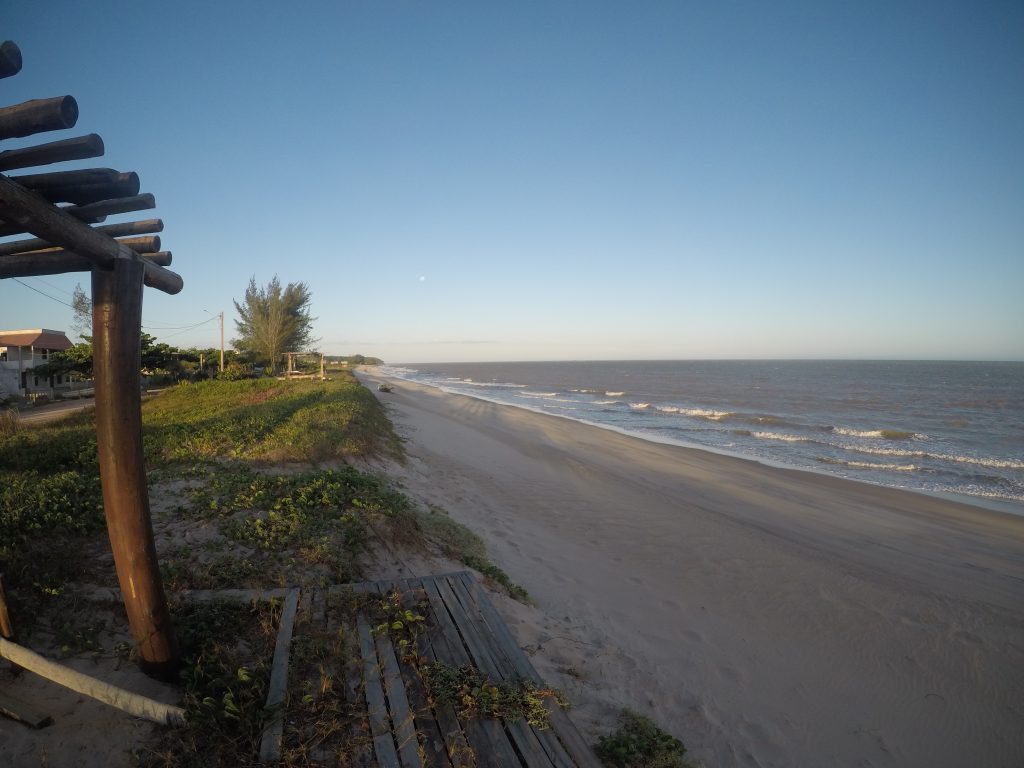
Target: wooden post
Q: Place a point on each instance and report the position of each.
(6, 628)
(116, 323)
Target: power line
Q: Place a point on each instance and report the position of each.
(178, 328)
(51, 298)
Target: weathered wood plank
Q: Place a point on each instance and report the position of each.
(270, 743)
(435, 754)
(495, 750)
(23, 711)
(569, 736)
(398, 702)
(497, 667)
(457, 741)
(359, 746)
(373, 690)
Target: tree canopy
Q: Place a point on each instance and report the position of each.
(274, 320)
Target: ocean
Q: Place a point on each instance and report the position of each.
(936, 427)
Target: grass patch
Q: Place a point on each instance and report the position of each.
(639, 743)
(226, 650)
(473, 694)
(267, 420)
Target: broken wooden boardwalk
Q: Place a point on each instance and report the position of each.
(400, 727)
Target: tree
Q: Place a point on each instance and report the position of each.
(81, 323)
(274, 320)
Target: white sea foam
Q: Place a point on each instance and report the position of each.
(528, 393)
(701, 413)
(871, 465)
(605, 402)
(779, 436)
(639, 406)
(981, 461)
(614, 394)
(885, 434)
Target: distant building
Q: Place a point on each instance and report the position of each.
(25, 349)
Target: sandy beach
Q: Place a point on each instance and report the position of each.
(767, 617)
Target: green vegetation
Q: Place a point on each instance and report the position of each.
(226, 650)
(267, 420)
(249, 488)
(639, 743)
(473, 694)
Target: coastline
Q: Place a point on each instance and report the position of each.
(767, 616)
(1003, 506)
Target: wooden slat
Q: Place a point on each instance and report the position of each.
(270, 743)
(568, 734)
(458, 743)
(495, 750)
(373, 689)
(360, 750)
(398, 703)
(427, 729)
(493, 663)
(23, 711)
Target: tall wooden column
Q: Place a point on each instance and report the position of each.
(116, 327)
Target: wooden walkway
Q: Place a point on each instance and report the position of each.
(461, 628)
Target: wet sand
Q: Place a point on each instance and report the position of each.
(768, 617)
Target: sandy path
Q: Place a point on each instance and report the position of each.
(767, 617)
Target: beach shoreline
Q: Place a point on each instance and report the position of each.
(768, 616)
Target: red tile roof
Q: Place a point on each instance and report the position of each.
(40, 338)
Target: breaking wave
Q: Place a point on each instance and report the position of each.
(869, 465)
(885, 434)
(980, 461)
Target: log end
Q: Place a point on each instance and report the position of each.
(10, 58)
(69, 111)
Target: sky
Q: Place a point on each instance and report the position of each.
(561, 180)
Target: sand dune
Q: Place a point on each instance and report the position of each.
(768, 617)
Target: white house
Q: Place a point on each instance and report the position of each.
(25, 349)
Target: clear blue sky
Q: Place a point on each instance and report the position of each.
(563, 180)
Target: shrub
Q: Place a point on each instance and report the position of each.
(639, 743)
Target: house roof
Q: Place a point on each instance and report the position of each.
(40, 338)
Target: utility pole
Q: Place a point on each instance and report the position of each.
(221, 316)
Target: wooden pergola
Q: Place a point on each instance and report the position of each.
(121, 258)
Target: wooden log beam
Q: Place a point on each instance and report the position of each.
(62, 262)
(142, 244)
(143, 202)
(37, 116)
(113, 230)
(94, 212)
(78, 148)
(10, 59)
(116, 339)
(32, 213)
(126, 701)
(81, 187)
